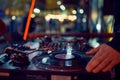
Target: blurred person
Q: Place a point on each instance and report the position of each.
(21, 26)
(32, 24)
(16, 34)
(107, 55)
(53, 25)
(3, 30)
(3, 27)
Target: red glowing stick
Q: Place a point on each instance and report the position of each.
(28, 20)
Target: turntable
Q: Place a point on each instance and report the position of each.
(61, 62)
(68, 59)
(64, 55)
(53, 57)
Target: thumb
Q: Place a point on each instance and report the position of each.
(92, 51)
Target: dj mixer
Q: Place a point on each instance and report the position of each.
(53, 56)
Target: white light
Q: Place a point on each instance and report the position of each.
(44, 60)
(13, 17)
(94, 43)
(62, 7)
(59, 17)
(84, 20)
(81, 11)
(33, 15)
(72, 17)
(59, 2)
(74, 11)
(36, 10)
(69, 49)
(98, 27)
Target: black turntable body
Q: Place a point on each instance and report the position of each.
(74, 67)
(49, 62)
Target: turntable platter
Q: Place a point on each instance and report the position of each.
(53, 63)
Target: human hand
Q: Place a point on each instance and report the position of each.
(104, 60)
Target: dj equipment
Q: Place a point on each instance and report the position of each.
(53, 59)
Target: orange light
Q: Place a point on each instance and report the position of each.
(28, 20)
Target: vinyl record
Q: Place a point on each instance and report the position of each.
(53, 62)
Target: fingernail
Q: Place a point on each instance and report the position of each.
(88, 69)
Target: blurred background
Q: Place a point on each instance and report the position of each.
(57, 16)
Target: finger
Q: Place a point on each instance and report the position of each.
(109, 67)
(96, 60)
(101, 66)
(92, 51)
